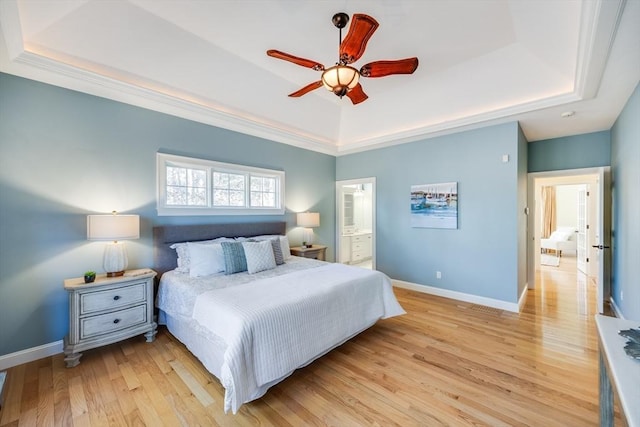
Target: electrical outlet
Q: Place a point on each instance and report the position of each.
(621, 296)
(438, 275)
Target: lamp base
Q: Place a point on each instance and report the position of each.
(115, 259)
(115, 273)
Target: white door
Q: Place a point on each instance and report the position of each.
(603, 245)
(581, 236)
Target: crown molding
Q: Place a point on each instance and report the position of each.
(598, 27)
(497, 116)
(51, 71)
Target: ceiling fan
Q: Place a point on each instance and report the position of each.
(342, 79)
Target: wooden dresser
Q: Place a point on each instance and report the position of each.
(108, 310)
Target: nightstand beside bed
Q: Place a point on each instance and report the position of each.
(316, 252)
(108, 310)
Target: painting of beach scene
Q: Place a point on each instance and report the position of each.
(434, 205)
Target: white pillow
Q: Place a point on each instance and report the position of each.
(259, 256)
(182, 251)
(205, 259)
(284, 245)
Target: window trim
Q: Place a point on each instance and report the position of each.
(162, 160)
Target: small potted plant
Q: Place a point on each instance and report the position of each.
(89, 276)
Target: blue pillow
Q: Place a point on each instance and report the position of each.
(234, 259)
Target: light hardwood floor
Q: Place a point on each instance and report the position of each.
(444, 363)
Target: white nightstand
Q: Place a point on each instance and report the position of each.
(108, 310)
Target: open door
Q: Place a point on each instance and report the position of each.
(603, 238)
(581, 237)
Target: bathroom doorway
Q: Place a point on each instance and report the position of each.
(356, 222)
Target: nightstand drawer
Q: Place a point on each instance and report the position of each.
(110, 322)
(110, 299)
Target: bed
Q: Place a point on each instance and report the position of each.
(252, 329)
(562, 239)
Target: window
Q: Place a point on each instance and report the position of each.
(188, 186)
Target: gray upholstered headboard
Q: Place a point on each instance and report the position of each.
(164, 258)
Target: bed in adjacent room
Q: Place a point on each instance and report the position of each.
(250, 311)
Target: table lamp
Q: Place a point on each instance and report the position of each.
(308, 220)
(114, 227)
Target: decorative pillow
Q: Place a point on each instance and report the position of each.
(265, 237)
(205, 259)
(259, 256)
(182, 251)
(277, 251)
(284, 245)
(234, 258)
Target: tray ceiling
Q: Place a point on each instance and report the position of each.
(481, 62)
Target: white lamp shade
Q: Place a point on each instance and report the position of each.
(308, 219)
(113, 227)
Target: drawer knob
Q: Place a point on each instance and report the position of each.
(116, 321)
(116, 298)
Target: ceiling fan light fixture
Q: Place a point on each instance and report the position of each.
(340, 79)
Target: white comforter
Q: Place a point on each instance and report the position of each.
(276, 325)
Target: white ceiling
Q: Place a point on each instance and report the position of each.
(481, 62)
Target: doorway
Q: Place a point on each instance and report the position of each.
(590, 208)
(356, 222)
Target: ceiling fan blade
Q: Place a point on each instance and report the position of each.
(357, 95)
(308, 88)
(387, 68)
(360, 31)
(296, 60)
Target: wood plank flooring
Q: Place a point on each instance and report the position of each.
(444, 363)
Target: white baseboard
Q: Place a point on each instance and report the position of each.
(30, 354)
(523, 298)
(616, 309)
(460, 296)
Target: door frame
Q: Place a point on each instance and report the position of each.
(604, 227)
(338, 233)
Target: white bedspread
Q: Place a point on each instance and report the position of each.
(276, 325)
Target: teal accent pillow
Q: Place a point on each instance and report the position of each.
(234, 258)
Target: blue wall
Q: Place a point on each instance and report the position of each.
(625, 166)
(64, 154)
(571, 152)
(482, 257)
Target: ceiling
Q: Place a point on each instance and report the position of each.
(481, 62)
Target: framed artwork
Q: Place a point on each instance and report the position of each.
(434, 205)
